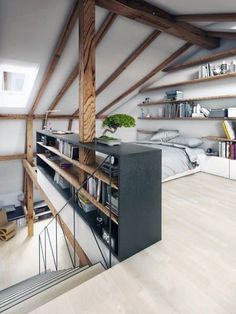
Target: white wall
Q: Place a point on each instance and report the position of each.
(190, 128)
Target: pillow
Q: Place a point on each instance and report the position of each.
(191, 142)
(164, 135)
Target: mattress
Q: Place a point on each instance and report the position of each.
(176, 159)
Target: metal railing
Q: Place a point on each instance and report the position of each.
(50, 236)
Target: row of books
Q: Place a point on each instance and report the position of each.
(181, 110)
(227, 150)
(68, 149)
(205, 71)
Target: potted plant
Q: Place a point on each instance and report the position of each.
(112, 123)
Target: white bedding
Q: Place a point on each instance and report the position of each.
(175, 158)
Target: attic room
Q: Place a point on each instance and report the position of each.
(117, 156)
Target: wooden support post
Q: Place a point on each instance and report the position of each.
(87, 106)
(29, 191)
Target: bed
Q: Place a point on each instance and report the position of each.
(178, 160)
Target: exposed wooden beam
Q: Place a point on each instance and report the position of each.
(151, 15)
(87, 92)
(61, 43)
(131, 58)
(13, 157)
(84, 260)
(147, 77)
(109, 20)
(225, 35)
(214, 17)
(107, 23)
(213, 57)
(37, 117)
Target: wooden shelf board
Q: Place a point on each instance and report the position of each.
(164, 101)
(188, 82)
(218, 139)
(203, 119)
(70, 177)
(203, 60)
(89, 169)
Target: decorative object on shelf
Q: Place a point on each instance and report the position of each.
(46, 124)
(146, 100)
(197, 112)
(114, 122)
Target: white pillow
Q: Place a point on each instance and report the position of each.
(164, 135)
(191, 142)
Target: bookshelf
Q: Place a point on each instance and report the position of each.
(187, 118)
(189, 82)
(164, 101)
(137, 222)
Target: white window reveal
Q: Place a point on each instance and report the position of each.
(16, 83)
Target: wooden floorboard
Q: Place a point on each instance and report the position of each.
(191, 271)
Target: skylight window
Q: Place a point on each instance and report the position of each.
(16, 83)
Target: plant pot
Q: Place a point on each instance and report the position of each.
(105, 140)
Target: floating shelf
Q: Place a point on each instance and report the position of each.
(202, 60)
(218, 139)
(164, 101)
(89, 169)
(71, 178)
(188, 82)
(188, 118)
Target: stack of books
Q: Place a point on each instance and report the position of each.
(114, 203)
(87, 206)
(174, 95)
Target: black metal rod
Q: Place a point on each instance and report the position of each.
(39, 255)
(41, 249)
(45, 248)
(56, 246)
(74, 234)
(50, 243)
(110, 211)
(68, 249)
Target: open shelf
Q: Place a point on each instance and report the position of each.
(88, 218)
(188, 118)
(164, 101)
(89, 169)
(218, 139)
(188, 82)
(70, 177)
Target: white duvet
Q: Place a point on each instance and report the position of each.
(175, 158)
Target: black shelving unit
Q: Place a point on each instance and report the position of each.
(139, 193)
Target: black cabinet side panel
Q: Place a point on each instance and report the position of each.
(140, 202)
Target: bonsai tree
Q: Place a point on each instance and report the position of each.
(117, 121)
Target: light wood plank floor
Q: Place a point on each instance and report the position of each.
(191, 271)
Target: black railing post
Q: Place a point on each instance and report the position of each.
(45, 251)
(56, 245)
(74, 232)
(39, 255)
